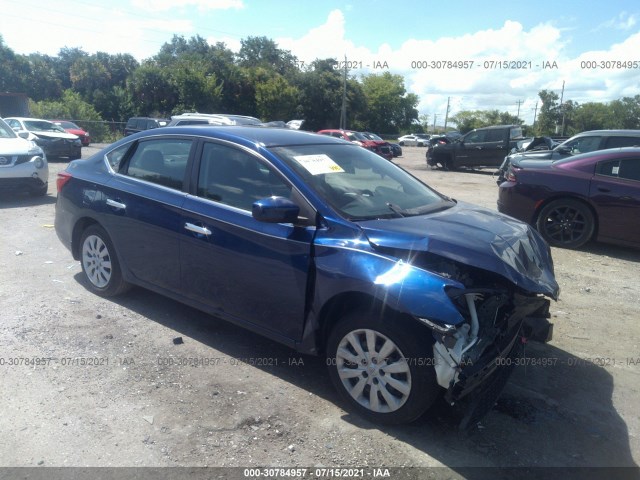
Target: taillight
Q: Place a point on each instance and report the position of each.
(61, 181)
(510, 176)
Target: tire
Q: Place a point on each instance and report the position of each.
(100, 263)
(566, 223)
(401, 144)
(394, 390)
(449, 165)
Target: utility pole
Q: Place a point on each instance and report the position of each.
(535, 113)
(519, 102)
(561, 109)
(343, 110)
(446, 115)
(435, 115)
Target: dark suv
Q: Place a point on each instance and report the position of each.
(138, 124)
(581, 143)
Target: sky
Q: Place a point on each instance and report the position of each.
(448, 53)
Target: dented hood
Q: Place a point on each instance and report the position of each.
(473, 236)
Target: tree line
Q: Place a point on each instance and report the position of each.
(261, 80)
(560, 119)
(190, 75)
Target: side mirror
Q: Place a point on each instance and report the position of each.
(275, 210)
(23, 134)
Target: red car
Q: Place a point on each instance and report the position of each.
(71, 127)
(594, 195)
(380, 147)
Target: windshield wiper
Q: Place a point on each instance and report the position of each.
(396, 209)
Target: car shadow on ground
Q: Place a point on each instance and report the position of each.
(628, 254)
(23, 199)
(556, 410)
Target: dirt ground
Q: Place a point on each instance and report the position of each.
(142, 380)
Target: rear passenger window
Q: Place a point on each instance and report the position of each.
(161, 161)
(617, 142)
(237, 178)
(628, 168)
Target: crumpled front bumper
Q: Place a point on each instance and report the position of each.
(478, 383)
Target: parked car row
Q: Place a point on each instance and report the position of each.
(379, 146)
(23, 163)
(52, 138)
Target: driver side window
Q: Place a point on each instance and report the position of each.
(237, 178)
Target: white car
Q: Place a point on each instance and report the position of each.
(412, 140)
(23, 164)
(52, 138)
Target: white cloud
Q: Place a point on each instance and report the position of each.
(484, 86)
(157, 5)
(623, 21)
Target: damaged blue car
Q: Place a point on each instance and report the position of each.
(322, 245)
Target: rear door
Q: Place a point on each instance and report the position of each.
(142, 206)
(251, 272)
(615, 190)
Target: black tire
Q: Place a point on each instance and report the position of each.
(566, 223)
(100, 263)
(39, 191)
(448, 164)
(366, 381)
(401, 144)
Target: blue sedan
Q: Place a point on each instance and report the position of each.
(323, 246)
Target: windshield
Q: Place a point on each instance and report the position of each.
(356, 136)
(69, 125)
(359, 184)
(578, 145)
(6, 131)
(373, 136)
(42, 126)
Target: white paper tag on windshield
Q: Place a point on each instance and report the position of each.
(318, 164)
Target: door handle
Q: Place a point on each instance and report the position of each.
(197, 229)
(114, 204)
(605, 190)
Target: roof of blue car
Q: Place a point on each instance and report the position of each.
(268, 137)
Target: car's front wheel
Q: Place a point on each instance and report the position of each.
(566, 223)
(100, 263)
(384, 370)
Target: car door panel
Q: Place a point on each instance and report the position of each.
(146, 230)
(247, 270)
(142, 211)
(618, 203)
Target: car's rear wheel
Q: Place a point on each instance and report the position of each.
(100, 263)
(566, 223)
(384, 371)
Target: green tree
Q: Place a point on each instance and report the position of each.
(72, 107)
(152, 91)
(263, 52)
(591, 116)
(320, 95)
(44, 83)
(389, 107)
(276, 99)
(549, 115)
(14, 70)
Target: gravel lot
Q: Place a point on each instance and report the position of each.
(120, 389)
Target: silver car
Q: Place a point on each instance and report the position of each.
(23, 164)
